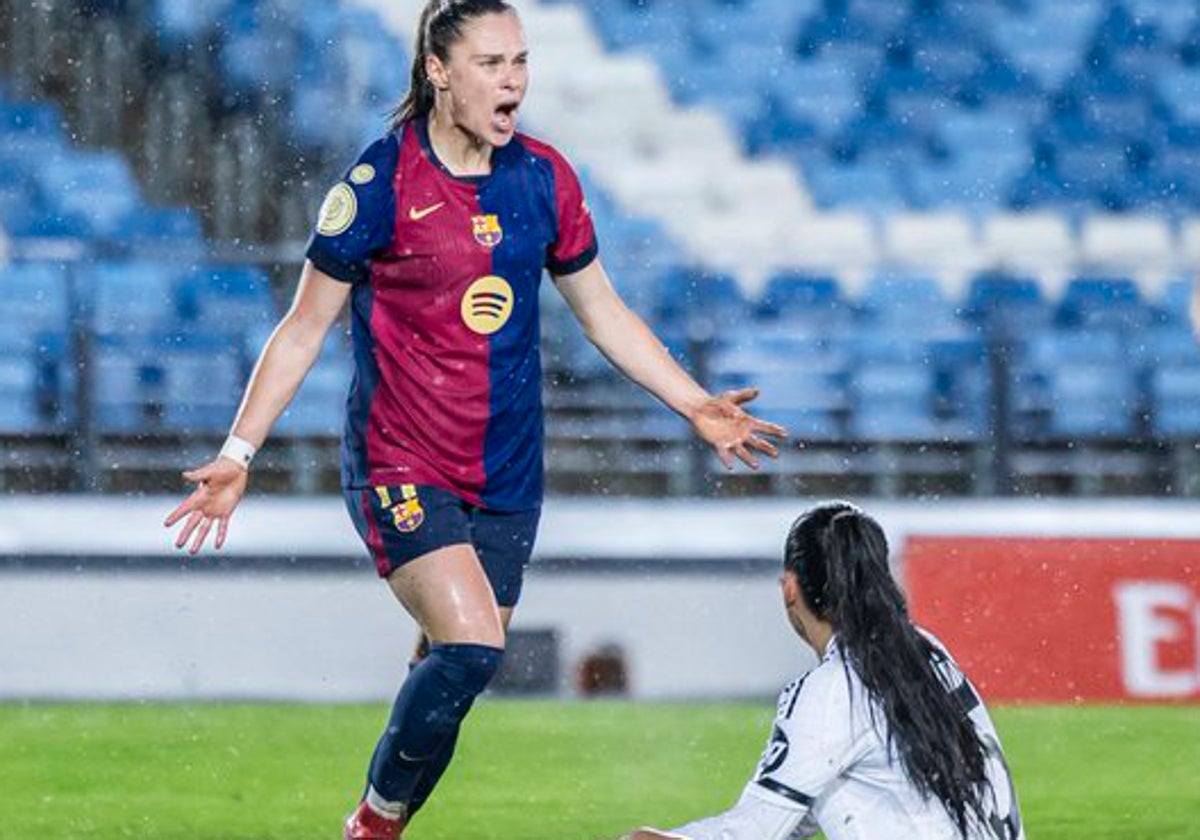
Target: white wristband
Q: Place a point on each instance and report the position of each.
(239, 451)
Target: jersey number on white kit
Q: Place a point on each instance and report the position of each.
(776, 753)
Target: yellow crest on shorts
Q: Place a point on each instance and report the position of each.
(487, 230)
(407, 513)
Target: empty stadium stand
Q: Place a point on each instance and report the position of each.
(952, 242)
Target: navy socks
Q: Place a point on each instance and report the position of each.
(432, 774)
(416, 747)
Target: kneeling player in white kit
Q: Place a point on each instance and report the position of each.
(885, 738)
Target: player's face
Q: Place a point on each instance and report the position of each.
(486, 77)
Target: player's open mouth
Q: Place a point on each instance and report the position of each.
(504, 118)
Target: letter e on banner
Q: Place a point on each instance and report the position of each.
(1158, 625)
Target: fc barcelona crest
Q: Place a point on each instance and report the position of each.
(488, 232)
(407, 513)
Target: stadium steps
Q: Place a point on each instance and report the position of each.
(876, 84)
(613, 115)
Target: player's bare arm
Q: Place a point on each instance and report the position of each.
(282, 366)
(632, 347)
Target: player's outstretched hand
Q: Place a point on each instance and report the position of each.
(732, 432)
(219, 487)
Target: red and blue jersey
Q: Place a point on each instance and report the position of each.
(445, 273)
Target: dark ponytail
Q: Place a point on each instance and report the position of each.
(840, 558)
(440, 25)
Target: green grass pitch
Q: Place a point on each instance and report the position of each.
(526, 770)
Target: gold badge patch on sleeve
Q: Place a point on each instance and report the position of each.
(362, 174)
(337, 210)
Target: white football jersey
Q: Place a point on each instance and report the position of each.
(828, 767)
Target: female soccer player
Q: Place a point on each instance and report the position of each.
(885, 737)
(438, 235)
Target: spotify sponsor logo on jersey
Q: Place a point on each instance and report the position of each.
(488, 304)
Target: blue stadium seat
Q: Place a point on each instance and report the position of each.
(35, 296)
(810, 402)
(897, 298)
(21, 212)
(1005, 299)
(895, 422)
(869, 187)
(319, 407)
(174, 225)
(803, 299)
(898, 382)
(1175, 306)
(625, 25)
(1106, 302)
(900, 402)
(179, 25)
(1075, 384)
(38, 119)
(1092, 401)
(964, 132)
(685, 295)
(227, 299)
(753, 345)
(1180, 91)
(1169, 344)
(126, 378)
(201, 387)
(868, 345)
(134, 298)
(1051, 348)
(821, 92)
(255, 61)
(156, 381)
(19, 394)
(94, 189)
(1175, 393)
(1172, 19)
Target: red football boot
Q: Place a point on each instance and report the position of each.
(366, 824)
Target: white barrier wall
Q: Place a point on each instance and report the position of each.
(95, 604)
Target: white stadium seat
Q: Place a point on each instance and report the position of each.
(1143, 246)
(938, 242)
(837, 242)
(1037, 243)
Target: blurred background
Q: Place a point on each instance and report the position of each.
(953, 241)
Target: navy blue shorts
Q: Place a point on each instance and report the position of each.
(400, 523)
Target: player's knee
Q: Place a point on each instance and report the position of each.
(469, 666)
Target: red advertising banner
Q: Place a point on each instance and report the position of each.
(1063, 620)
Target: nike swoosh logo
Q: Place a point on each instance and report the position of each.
(417, 215)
